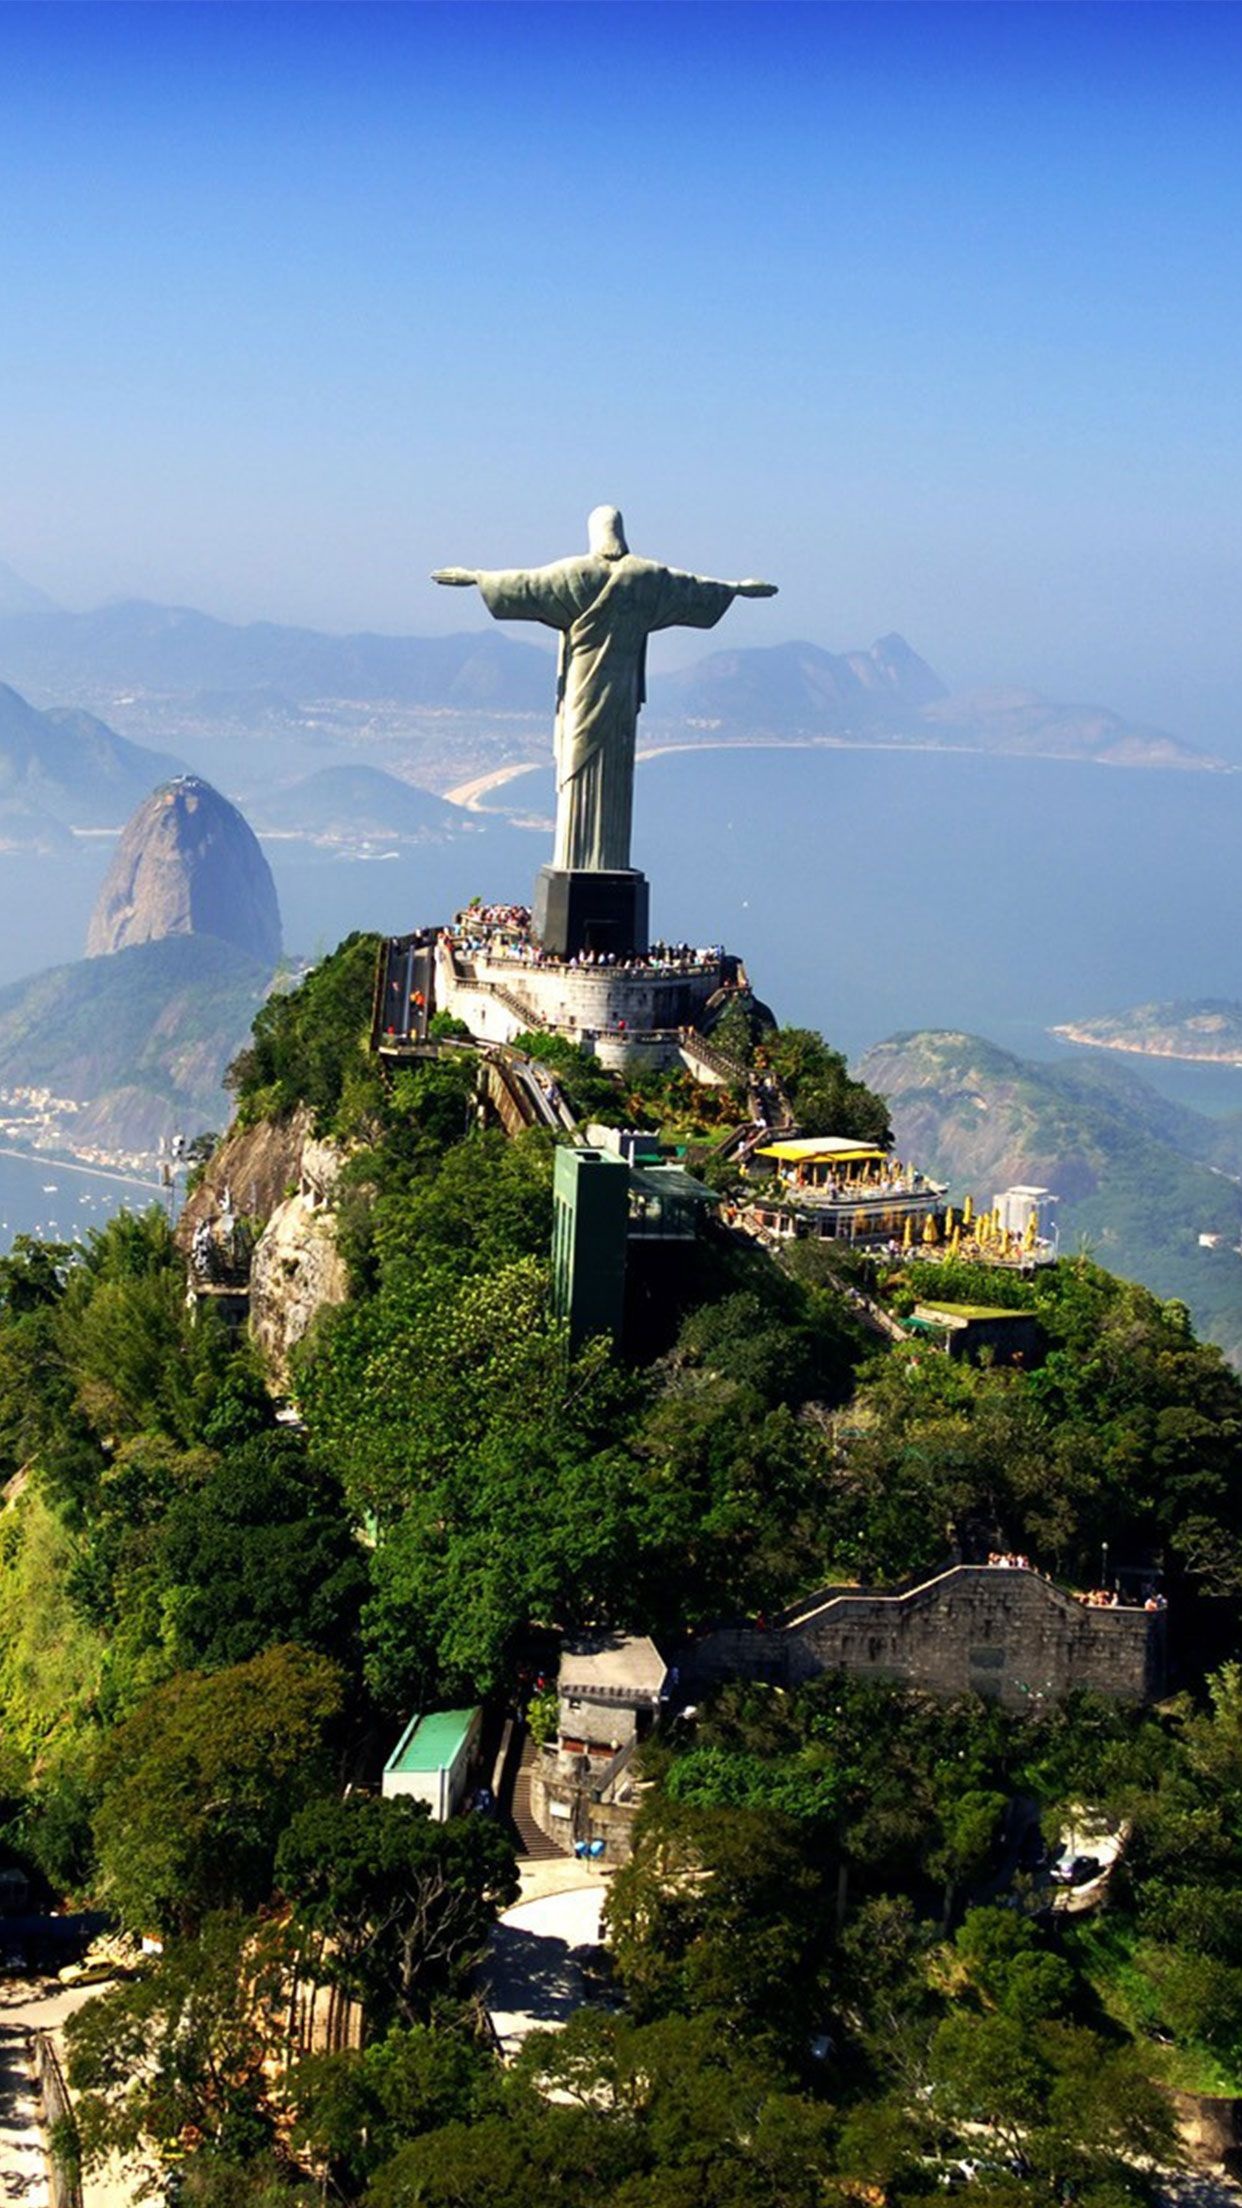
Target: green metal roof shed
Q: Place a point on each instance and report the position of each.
(431, 1761)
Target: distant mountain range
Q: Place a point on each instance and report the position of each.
(18, 596)
(778, 688)
(356, 803)
(161, 669)
(1139, 1178)
(65, 766)
(174, 650)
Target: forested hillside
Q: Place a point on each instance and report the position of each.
(1139, 1178)
(213, 1625)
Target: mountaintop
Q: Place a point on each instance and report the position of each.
(787, 686)
(135, 644)
(357, 801)
(17, 596)
(187, 864)
(65, 763)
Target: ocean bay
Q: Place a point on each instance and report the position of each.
(870, 892)
(58, 1200)
(877, 890)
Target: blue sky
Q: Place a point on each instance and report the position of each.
(933, 314)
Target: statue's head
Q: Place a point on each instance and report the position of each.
(606, 533)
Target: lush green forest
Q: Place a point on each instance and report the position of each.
(830, 1978)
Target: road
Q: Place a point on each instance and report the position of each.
(28, 2005)
(23, 2173)
(543, 1955)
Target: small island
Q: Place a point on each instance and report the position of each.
(1206, 1031)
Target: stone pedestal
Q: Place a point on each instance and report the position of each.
(580, 911)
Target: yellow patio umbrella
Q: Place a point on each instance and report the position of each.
(955, 1241)
(1031, 1237)
(929, 1229)
(950, 1224)
(907, 1234)
(968, 1211)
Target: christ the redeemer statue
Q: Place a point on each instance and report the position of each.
(605, 602)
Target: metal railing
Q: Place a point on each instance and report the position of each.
(64, 2173)
(601, 1788)
(694, 1045)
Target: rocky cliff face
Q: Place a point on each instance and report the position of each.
(258, 1167)
(297, 1268)
(279, 1177)
(187, 864)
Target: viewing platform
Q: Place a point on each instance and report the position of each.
(1000, 1630)
(840, 1190)
(836, 1189)
(491, 973)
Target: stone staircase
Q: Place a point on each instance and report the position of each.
(533, 1843)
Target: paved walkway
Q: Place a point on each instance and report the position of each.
(28, 2005)
(23, 2173)
(542, 1957)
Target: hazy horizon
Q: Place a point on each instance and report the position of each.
(932, 314)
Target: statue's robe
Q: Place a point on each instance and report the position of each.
(605, 610)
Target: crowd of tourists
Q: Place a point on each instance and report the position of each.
(1107, 1598)
(868, 1185)
(502, 934)
(1095, 1598)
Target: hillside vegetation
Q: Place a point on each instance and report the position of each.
(212, 1626)
(141, 1038)
(1139, 1178)
(1206, 1031)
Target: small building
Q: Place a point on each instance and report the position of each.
(637, 1145)
(432, 1760)
(842, 1190)
(667, 1204)
(968, 1329)
(584, 1793)
(1025, 1212)
(609, 1688)
(601, 1204)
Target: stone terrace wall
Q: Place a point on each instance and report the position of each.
(974, 1629)
(499, 997)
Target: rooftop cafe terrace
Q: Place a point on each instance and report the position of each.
(838, 1189)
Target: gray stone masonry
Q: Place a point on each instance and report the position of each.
(975, 1629)
(624, 1016)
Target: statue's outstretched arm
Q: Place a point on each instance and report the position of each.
(459, 577)
(755, 590)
